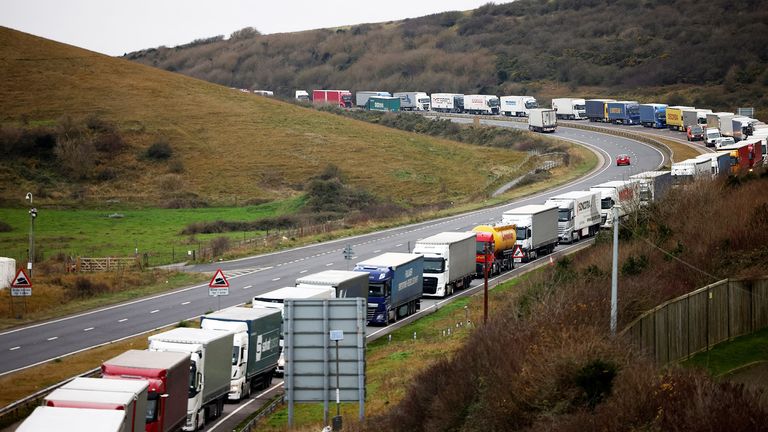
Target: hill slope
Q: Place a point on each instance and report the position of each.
(506, 49)
(227, 146)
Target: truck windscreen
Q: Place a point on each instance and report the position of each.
(376, 290)
(522, 233)
(434, 265)
(563, 215)
(480, 247)
(606, 203)
(531, 104)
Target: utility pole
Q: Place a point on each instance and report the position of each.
(615, 272)
(32, 216)
(485, 282)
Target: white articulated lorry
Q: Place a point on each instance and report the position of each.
(481, 104)
(447, 102)
(346, 284)
(542, 120)
(210, 353)
(361, 97)
(570, 108)
(255, 346)
(619, 196)
(536, 229)
(413, 101)
(517, 106)
(653, 185)
(95, 399)
(45, 418)
(578, 214)
(449, 262)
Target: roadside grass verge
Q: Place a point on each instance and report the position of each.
(727, 356)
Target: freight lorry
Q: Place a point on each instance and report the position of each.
(361, 97)
(45, 418)
(675, 117)
(652, 185)
(494, 248)
(653, 115)
(617, 198)
(449, 262)
(695, 116)
(719, 163)
(481, 104)
(743, 127)
(135, 389)
(346, 284)
(578, 214)
(413, 101)
(570, 108)
(301, 96)
(276, 299)
(383, 103)
(624, 112)
(255, 346)
(542, 120)
(597, 109)
(97, 399)
(339, 98)
(167, 375)
(536, 229)
(711, 136)
(744, 155)
(690, 170)
(722, 121)
(447, 102)
(395, 286)
(210, 353)
(517, 106)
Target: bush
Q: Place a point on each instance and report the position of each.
(219, 245)
(159, 150)
(5, 227)
(84, 287)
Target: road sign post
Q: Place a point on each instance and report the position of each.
(348, 254)
(218, 286)
(21, 287)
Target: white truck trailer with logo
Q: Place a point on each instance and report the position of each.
(346, 284)
(481, 104)
(517, 106)
(536, 227)
(570, 108)
(210, 353)
(653, 185)
(449, 262)
(618, 196)
(578, 214)
(447, 102)
(413, 101)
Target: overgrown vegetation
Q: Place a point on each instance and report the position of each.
(546, 361)
(508, 49)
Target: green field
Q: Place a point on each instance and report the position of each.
(731, 355)
(94, 233)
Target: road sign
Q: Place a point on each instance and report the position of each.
(518, 253)
(219, 285)
(348, 252)
(21, 280)
(21, 292)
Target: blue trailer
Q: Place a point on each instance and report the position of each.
(395, 286)
(653, 115)
(597, 109)
(624, 112)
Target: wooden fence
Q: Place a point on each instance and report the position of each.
(105, 264)
(698, 320)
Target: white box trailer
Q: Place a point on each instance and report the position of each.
(695, 116)
(7, 271)
(570, 108)
(346, 284)
(447, 102)
(45, 418)
(361, 97)
(104, 400)
(542, 120)
(276, 299)
(536, 228)
(136, 389)
(721, 121)
(413, 101)
(481, 104)
(449, 262)
(578, 214)
(691, 169)
(210, 353)
(517, 106)
(653, 185)
(619, 196)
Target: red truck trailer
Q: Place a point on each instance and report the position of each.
(168, 376)
(744, 155)
(340, 98)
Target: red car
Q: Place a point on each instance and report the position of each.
(622, 159)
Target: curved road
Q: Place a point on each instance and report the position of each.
(30, 345)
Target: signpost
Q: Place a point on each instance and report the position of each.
(21, 287)
(517, 255)
(219, 286)
(348, 253)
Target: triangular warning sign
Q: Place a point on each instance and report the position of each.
(518, 253)
(219, 280)
(21, 280)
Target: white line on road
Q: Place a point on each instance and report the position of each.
(185, 303)
(155, 311)
(302, 272)
(88, 329)
(275, 279)
(53, 338)
(123, 320)
(14, 348)
(398, 245)
(248, 286)
(329, 264)
(377, 251)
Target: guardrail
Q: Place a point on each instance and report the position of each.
(264, 411)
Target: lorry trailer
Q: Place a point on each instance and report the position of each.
(481, 104)
(413, 101)
(675, 117)
(652, 185)
(745, 155)
(361, 97)
(255, 346)
(339, 98)
(578, 214)
(45, 418)
(136, 390)
(383, 103)
(570, 108)
(210, 353)
(275, 299)
(494, 248)
(624, 112)
(722, 121)
(597, 109)
(653, 115)
(517, 106)
(447, 102)
(690, 169)
(542, 120)
(617, 198)
(536, 229)
(167, 376)
(96, 399)
(720, 163)
(695, 116)
(395, 286)
(449, 262)
(346, 284)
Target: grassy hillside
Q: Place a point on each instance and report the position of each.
(227, 147)
(592, 48)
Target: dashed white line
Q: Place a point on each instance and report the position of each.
(302, 272)
(14, 348)
(398, 245)
(88, 329)
(53, 338)
(248, 286)
(275, 279)
(123, 320)
(329, 264)
(377, 251)
(155, 311)
(185, 303)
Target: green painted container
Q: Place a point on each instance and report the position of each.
(381, 103)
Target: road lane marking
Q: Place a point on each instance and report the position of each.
(123, 320)
(88, 329)
(248, 286)
(53, 338)
(14, 348)
(155, 311)
(275, 279)
(329, 264)
(377, 251)
(302, 272)
(185, 303)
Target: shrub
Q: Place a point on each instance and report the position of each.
(84, 287)
(75, 155)
(159, 150)
(219, 245)
(5, 227)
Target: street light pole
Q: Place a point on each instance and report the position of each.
(32, 216)
(615, 272)
(485, 283)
